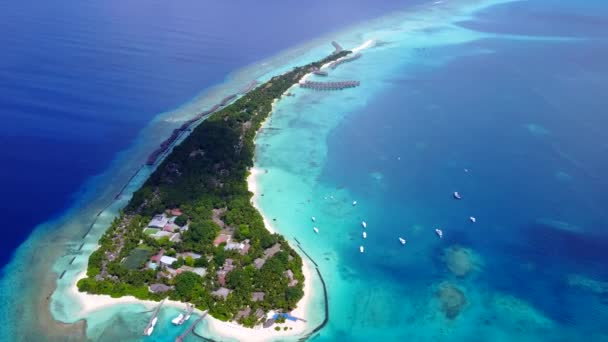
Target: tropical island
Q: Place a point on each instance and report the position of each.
(191, 233)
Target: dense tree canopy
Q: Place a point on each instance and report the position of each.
(205, 176)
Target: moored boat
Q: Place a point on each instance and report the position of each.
(361, 249)
(473, 219)
(316, 230)
(439, 232)
(402, 240)
(364, 224)
(364, 235)
(457, 195)
(313, 219)
(354, 203)
(178, 320)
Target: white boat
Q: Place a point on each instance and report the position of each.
(316, 230)
(364, 224)
(154, 320)
(457, 195)
(313, 219)
(466, 170)
(439, 232)
(364, 235)
(473, 219)
(187, 318)
(354, 203)
(361, 249)
(149, 331)
(178, 320)
(402, 240)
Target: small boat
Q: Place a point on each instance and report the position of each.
(364, 235)
(361, 249)
(316, 230)
(149, 331)
(178, 320)
(186, 318)
(439, 232)
(154, 320)
(364, 224)
(457, 195)
(473, 219)
(354, 203)
(466, 170)
(313, 219)
(402, 240)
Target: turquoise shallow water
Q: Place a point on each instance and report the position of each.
(519, 107)
(450, 86)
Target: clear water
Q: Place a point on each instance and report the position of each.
(513, 92)
(514, 95)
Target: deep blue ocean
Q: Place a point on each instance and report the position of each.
(80, 79)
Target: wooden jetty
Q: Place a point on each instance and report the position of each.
(153, 319)
(181, 337)
(329, 85)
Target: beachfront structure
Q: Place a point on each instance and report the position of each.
(159, 288)
(243, 313)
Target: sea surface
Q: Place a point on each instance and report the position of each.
(501, 101)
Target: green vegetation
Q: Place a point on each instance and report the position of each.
(205, 177)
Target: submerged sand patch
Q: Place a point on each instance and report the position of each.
(452, 299)
(461, 261)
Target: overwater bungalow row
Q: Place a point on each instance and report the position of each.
(329, 85)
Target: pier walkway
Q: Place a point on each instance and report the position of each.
(181, 337)
(152, 321)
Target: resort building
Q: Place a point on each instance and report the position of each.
(222, 292)
(159, 288)
(167, 261)
(257, 296)
(158, 221)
